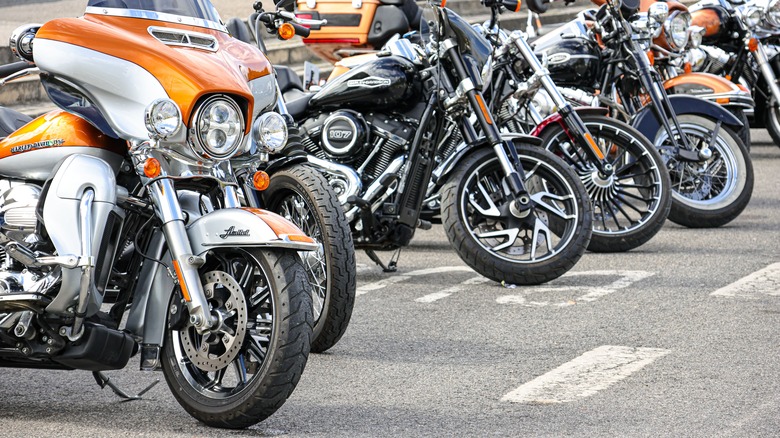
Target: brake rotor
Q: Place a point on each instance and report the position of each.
(217, 348)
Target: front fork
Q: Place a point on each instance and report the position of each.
(185, 263)
(505, 150)
(769, 75)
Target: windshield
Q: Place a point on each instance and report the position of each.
(197, 9)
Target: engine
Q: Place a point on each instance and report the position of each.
(366, 143)
(18, 221)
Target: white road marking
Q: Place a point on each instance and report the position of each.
(763, 282)
(383, 283)
(582, 293)
(430, 298)
(584, 376)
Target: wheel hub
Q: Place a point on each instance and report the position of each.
(215, 349)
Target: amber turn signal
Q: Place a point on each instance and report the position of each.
(651, 57)
(152, 168)
(752, 44)
(286, 31)
(261, 180)
(687, 67)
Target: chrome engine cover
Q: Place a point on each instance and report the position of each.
(17, 210)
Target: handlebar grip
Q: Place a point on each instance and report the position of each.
(301, 30)
(9, 69)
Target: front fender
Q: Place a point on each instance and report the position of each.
(648, 125)
(246, 227)
(444, 169)
(710, 87)
(556, 117)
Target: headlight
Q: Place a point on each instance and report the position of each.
(676, 29)
(773, 13)
(218, 128)
(162, 118)
(752, 16)
(270, 132)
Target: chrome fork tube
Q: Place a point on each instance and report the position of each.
(231, 197)
(185, 264)
(766, 70)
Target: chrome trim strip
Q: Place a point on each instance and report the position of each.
(159, 16)
(188, 36)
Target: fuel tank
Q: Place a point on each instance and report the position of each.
(386, 82)
(714, 19)
(572, 61)
(34, 149)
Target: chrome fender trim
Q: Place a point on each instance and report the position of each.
(246, 227)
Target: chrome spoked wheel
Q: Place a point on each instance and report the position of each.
(715, 189)
(243, 368)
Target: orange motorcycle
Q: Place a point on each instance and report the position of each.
(674, 37)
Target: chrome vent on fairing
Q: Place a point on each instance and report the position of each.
(183, 38)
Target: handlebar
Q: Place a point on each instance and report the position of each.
(16, 67)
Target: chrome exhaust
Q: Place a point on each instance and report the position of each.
(349, 183)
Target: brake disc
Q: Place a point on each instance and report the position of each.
(217, 348)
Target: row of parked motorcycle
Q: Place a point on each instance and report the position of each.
(193, 205)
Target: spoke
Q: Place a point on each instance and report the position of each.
(619, 157)
(255, 350)
(630, 195)
(531, 173)
(217, 380)
(614, 216)
(492, 210)
(510, 234)
(539, 228)
(240, 368)
(538, 198)
(261, 295)
(632, 206)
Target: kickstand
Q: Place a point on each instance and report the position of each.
(392, 265)
(103, 380)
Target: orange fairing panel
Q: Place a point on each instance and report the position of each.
(281, 226)
(58, 129)
(708, 19)
(186, 74)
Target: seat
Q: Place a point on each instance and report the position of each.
(11, 120)
(297, 107)
(287, 79)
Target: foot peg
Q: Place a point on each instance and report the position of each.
(103, 381)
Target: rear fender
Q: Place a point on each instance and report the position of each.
(647, 124)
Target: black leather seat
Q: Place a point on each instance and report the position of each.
(287, 79)
(11, 120)
(297, 106)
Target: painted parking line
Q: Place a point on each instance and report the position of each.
(586, 375)
(760, 283)
(383, 283)
(535, 296)
(436, 296)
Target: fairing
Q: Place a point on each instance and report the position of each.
(184, 73)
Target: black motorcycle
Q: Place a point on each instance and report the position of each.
(621, 170)
(600, 58)
(513, 212)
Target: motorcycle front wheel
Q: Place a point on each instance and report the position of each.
(503, 244)
(303, 196)
(630, 206)
(713, 191)
(242, 371)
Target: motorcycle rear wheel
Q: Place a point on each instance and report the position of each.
(494, 241)
(630, 207)
(712, 192)
(303, 196)
(241, 373)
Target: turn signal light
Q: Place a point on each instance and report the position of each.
(687, 67)
(261, 180)
(152, 168)
(752, 44)
(651, 57)
(286, 31)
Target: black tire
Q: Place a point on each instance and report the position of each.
(631, 207)
(556, 191)
(272, 353)
(772, 122)
(701, 198)
(744, 131)
(321, 217)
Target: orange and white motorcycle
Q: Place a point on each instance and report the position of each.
(127, 195)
